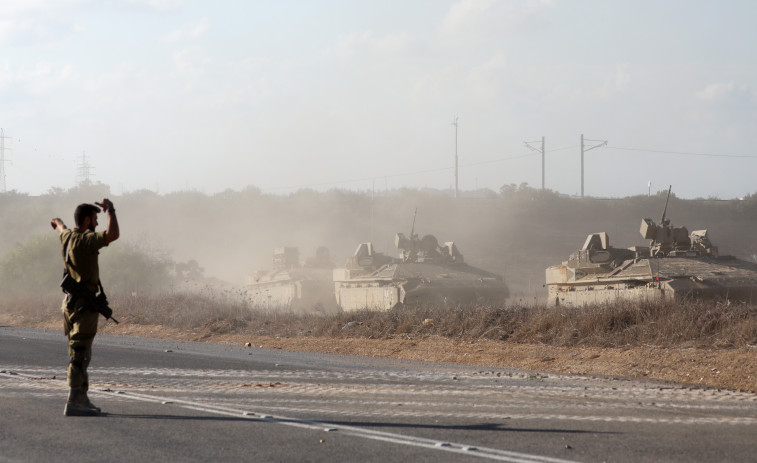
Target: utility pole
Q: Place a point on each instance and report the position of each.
(2, 161)
(456, 178)
(542, 156)
(373, 199)
(583, 150)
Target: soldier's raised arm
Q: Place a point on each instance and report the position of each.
(111, 231)
(58, 225)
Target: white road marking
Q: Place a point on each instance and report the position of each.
(469, 450)
(472, 401)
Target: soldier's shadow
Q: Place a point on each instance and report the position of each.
(502, 427)
(462, 427)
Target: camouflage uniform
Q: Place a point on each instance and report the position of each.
(80, 251)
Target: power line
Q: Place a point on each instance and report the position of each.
(563, 148)
(400, 174)
(681, 153)
(540, 151)
(494, 161)
(584, 148)
(685, 153)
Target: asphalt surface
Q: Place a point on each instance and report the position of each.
(197, 402)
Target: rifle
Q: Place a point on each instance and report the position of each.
(76, 290)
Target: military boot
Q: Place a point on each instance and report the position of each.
(78, 404)
(90, 404)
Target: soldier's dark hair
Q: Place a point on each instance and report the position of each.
(83, 211)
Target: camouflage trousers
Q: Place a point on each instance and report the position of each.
(80, 327)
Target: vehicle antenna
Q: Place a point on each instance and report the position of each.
(412, 229)
(664, 211)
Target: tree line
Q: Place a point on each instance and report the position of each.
(516, 232)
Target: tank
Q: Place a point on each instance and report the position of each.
(290, 286)
(676, 266)
(426, 272)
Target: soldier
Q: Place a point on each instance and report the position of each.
(80, 250)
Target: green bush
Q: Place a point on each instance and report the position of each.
(32, 268)
(130, 268)
(35, 267)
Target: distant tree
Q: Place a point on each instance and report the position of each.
(13, 193)
(34, 267)
(508, 190)
(89, 189)
(251, 190)
(56, 191)
(127, 267)
(189, 270)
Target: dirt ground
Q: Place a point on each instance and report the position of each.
(734, 369)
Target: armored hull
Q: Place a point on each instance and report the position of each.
(292, 287)
(677, 266)
(646, 279)
(425, 273)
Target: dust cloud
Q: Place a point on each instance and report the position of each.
(516, 232)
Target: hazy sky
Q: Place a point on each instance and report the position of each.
(172, 95)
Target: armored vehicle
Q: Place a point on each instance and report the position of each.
(425, 272)
(676, 266)
(295, 287)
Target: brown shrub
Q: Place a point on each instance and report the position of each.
(691, 324)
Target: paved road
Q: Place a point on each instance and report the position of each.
(183, 401)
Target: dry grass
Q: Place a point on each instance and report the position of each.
(695, 324)
(705, 344)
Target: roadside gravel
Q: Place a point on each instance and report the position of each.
(734, 369)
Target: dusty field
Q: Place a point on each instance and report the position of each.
(722, 368)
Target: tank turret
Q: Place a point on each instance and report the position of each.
(667, 240)
(292, 286)
(424, 272)
(675, 266)
(426, 249)
(286, 258)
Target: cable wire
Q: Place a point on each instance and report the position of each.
(401, 174)
(685, 153)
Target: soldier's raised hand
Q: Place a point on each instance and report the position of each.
(57, 224)
(106, 204)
